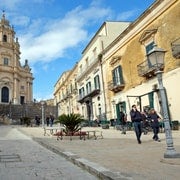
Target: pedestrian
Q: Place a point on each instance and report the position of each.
(37, 120)
(136, 118)
(154, 117)
(145, 122)
(51, 120)
(123, 120)
(47, 121)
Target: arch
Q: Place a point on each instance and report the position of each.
(5, 94)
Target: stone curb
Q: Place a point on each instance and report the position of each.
(93, 168)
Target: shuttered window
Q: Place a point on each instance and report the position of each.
(117, 76)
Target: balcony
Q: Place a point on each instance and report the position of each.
(176, 48)
(91, 64)
(88, 95)
(146, 69)
(115, 87)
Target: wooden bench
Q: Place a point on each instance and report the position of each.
(81, 134)
(94, 133)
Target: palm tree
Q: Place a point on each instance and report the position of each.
(71, 122)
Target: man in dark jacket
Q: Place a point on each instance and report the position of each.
(136, 118)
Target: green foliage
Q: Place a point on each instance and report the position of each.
(71, 122)
(26, 120)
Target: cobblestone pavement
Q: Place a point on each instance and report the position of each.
(117, 156)
(21, 158)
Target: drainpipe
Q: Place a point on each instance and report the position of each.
(100, 62)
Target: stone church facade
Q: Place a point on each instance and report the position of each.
(16, 81)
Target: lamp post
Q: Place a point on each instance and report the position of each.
(42, 110)
(114, 108)
(156, 59)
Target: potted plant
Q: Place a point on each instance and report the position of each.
(26, 120)
(72, 123)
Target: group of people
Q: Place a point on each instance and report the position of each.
(137, 118)
(141, 120)
(50, 120)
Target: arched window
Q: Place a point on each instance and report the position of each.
(5, 95)
(4, 38)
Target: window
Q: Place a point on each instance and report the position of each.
(71, 88)
(22, 99)
(149, 47)
(87, 62)
(81, 93)
(80, 68)
(117, 76)
(22, 87)
(95, 52)
(96, 82)
(4, 38)
(6, 61)
(5, 95)
(88, 87)
(75, 85)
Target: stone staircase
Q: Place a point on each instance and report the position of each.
(15, 112)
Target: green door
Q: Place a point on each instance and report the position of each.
(120, 107)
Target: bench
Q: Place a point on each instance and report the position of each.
(94, 133)
(81, 134)
(52, 129)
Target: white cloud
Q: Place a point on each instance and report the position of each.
(51, 44)
(14, 4)
(40, 97)
(9, 4)
(126, 15)
(21, 20)
(57, 35)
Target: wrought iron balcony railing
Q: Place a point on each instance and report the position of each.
(93, 92)
(115, 87)
(145, 69)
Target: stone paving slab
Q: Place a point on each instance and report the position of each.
(120, 155)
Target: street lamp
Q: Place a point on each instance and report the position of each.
(114, 108)
(42, 110)
(156, 59)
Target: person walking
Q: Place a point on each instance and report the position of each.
(51, 120)
(154, 117)
(136, 118)
(47, 121)
(123, 121)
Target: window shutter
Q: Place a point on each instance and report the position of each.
(121, 75)
(113, 76)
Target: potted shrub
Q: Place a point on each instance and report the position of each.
(72, 123)
(26, 120)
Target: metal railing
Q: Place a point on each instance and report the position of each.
(146, 68)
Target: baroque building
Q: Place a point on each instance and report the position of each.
(15, 80)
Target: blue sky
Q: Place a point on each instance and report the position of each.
(53, 33)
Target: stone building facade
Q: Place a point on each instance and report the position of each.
(16, 81)
(135, 80)
(65, 94)
(125, 75)
(83, 89)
